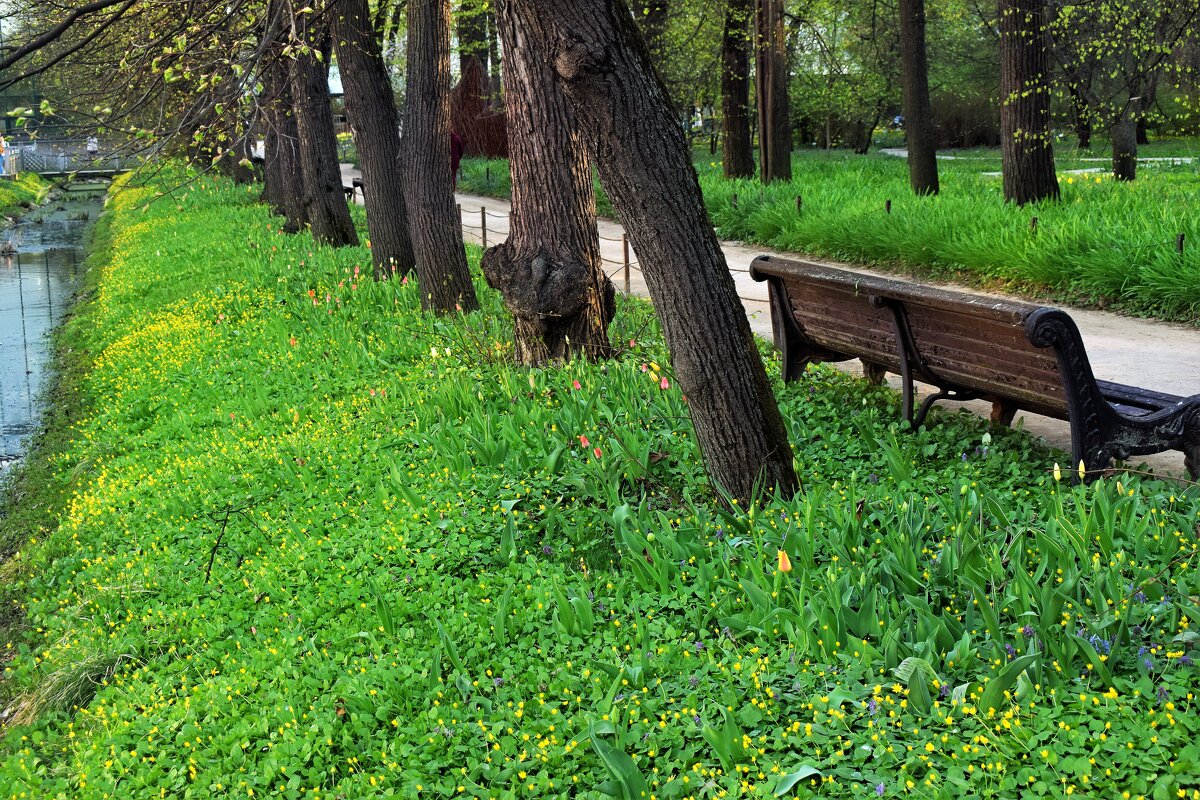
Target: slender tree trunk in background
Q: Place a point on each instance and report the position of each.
(284, 185)
(652, 18)
(1082, 116)
(371, 110)
(1124, 146)
(549, 271)
(1026, 148)
(494, 79)
(441, 261)
(918, 114)
(774, 121)
(324, 197)
(645, 166)
(471, 24)
(738, 152)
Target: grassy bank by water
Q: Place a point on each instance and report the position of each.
(318, 544)
(1107, 244)
(21, 192)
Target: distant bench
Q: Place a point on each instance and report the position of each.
(356, 185)
(1016, 355)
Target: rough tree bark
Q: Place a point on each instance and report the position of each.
(324, 198)
(549, 271)
(283, 184)
(918, 114)
(774, 120)
(1124, 146)
(374, 121)
(1027, 151)
(644, 164)
(441, 261)
(738, 147)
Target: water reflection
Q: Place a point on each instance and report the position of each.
(40, 263)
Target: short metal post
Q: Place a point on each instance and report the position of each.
(733, 202)
(625, 248)
(887, 207)
(483, 225)
(1033, 224)
(458, 208)
(1179, 244)
(799, 204)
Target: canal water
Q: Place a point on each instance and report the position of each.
(41, 260)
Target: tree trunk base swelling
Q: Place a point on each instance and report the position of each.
(558, 313)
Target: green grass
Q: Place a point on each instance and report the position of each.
(1107, 244)
(315, 543)
(21, 192)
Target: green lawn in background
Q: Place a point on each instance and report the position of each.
(1106, 244)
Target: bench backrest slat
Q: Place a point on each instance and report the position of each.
(970, 341)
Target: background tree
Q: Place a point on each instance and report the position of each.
(324, 198)
(738, 149)
(645, 166)
(371, 111)
(918, 115)
(549, 271)
(1027, 152)
(441, 262)
(774, 121)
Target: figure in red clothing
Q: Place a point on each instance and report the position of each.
(456, 154)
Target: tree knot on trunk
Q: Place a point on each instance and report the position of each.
(576, 59)
(537, 285)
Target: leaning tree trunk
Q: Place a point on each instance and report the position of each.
(549, 271)
(324, 196)
(774, 122)
(918, 114)
(441, 261)
(644, 164)
(371, 110)
(1026, 149)
(738, 153)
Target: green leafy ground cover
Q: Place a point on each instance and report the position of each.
(20, 192)
(318, 544)
(1107, 244)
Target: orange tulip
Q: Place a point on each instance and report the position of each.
(785, 563)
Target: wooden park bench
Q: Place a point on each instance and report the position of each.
(1016, 355)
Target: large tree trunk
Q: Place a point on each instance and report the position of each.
(371, 110)
(918, 115)
(324, 197)
(1124, 146)
(644, 164)
(549, 271)
(441, 260)
(1026, 148)
(738, 153)
(774, 122)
